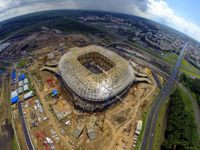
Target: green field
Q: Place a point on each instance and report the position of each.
(159, 131)
(14, 144)
(22, 63)
(186, 67)
(171, 58)
(187, 101)
(189, 69)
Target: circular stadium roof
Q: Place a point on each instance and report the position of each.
(95, 73)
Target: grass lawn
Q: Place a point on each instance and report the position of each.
(190, 73)
(159, 131)
(22, 63)
(14, 144)
(189, 69)
(171, 58)
(187, 101)
(186, 67)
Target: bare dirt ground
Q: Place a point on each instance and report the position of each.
(112, 134)
(115, 126)
(102, 141)
(133, 102)
(50, 115)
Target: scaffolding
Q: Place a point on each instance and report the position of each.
(112, 75)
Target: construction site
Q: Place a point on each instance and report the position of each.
(96, 77)
(85, 98)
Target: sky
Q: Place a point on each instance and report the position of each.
(182, 15)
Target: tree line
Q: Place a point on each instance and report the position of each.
(192, 84)
(181, 129)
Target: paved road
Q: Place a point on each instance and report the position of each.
(156, 78)
(148, 138)
(25, 130)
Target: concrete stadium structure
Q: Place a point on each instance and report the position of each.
(96, 77)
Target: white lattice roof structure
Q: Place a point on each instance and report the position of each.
(95, 73)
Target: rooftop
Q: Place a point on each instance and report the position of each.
(95, 73)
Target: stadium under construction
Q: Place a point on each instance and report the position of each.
(95, 77)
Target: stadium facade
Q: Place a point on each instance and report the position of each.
(96, 77)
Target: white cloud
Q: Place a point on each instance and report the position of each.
(34, 7)
(157, 10)
(11, 8)
(160, 9)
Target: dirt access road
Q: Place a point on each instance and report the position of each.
(117, 134)
(49, 114)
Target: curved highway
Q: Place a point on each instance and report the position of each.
(148, 138)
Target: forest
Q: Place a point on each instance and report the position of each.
(193, 85)
(181, 129)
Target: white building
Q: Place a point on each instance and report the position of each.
(139, 127)
(28, 95)
(20, 90)
(25, 87)
(26, 81)
(14, 94)
(20, 83)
